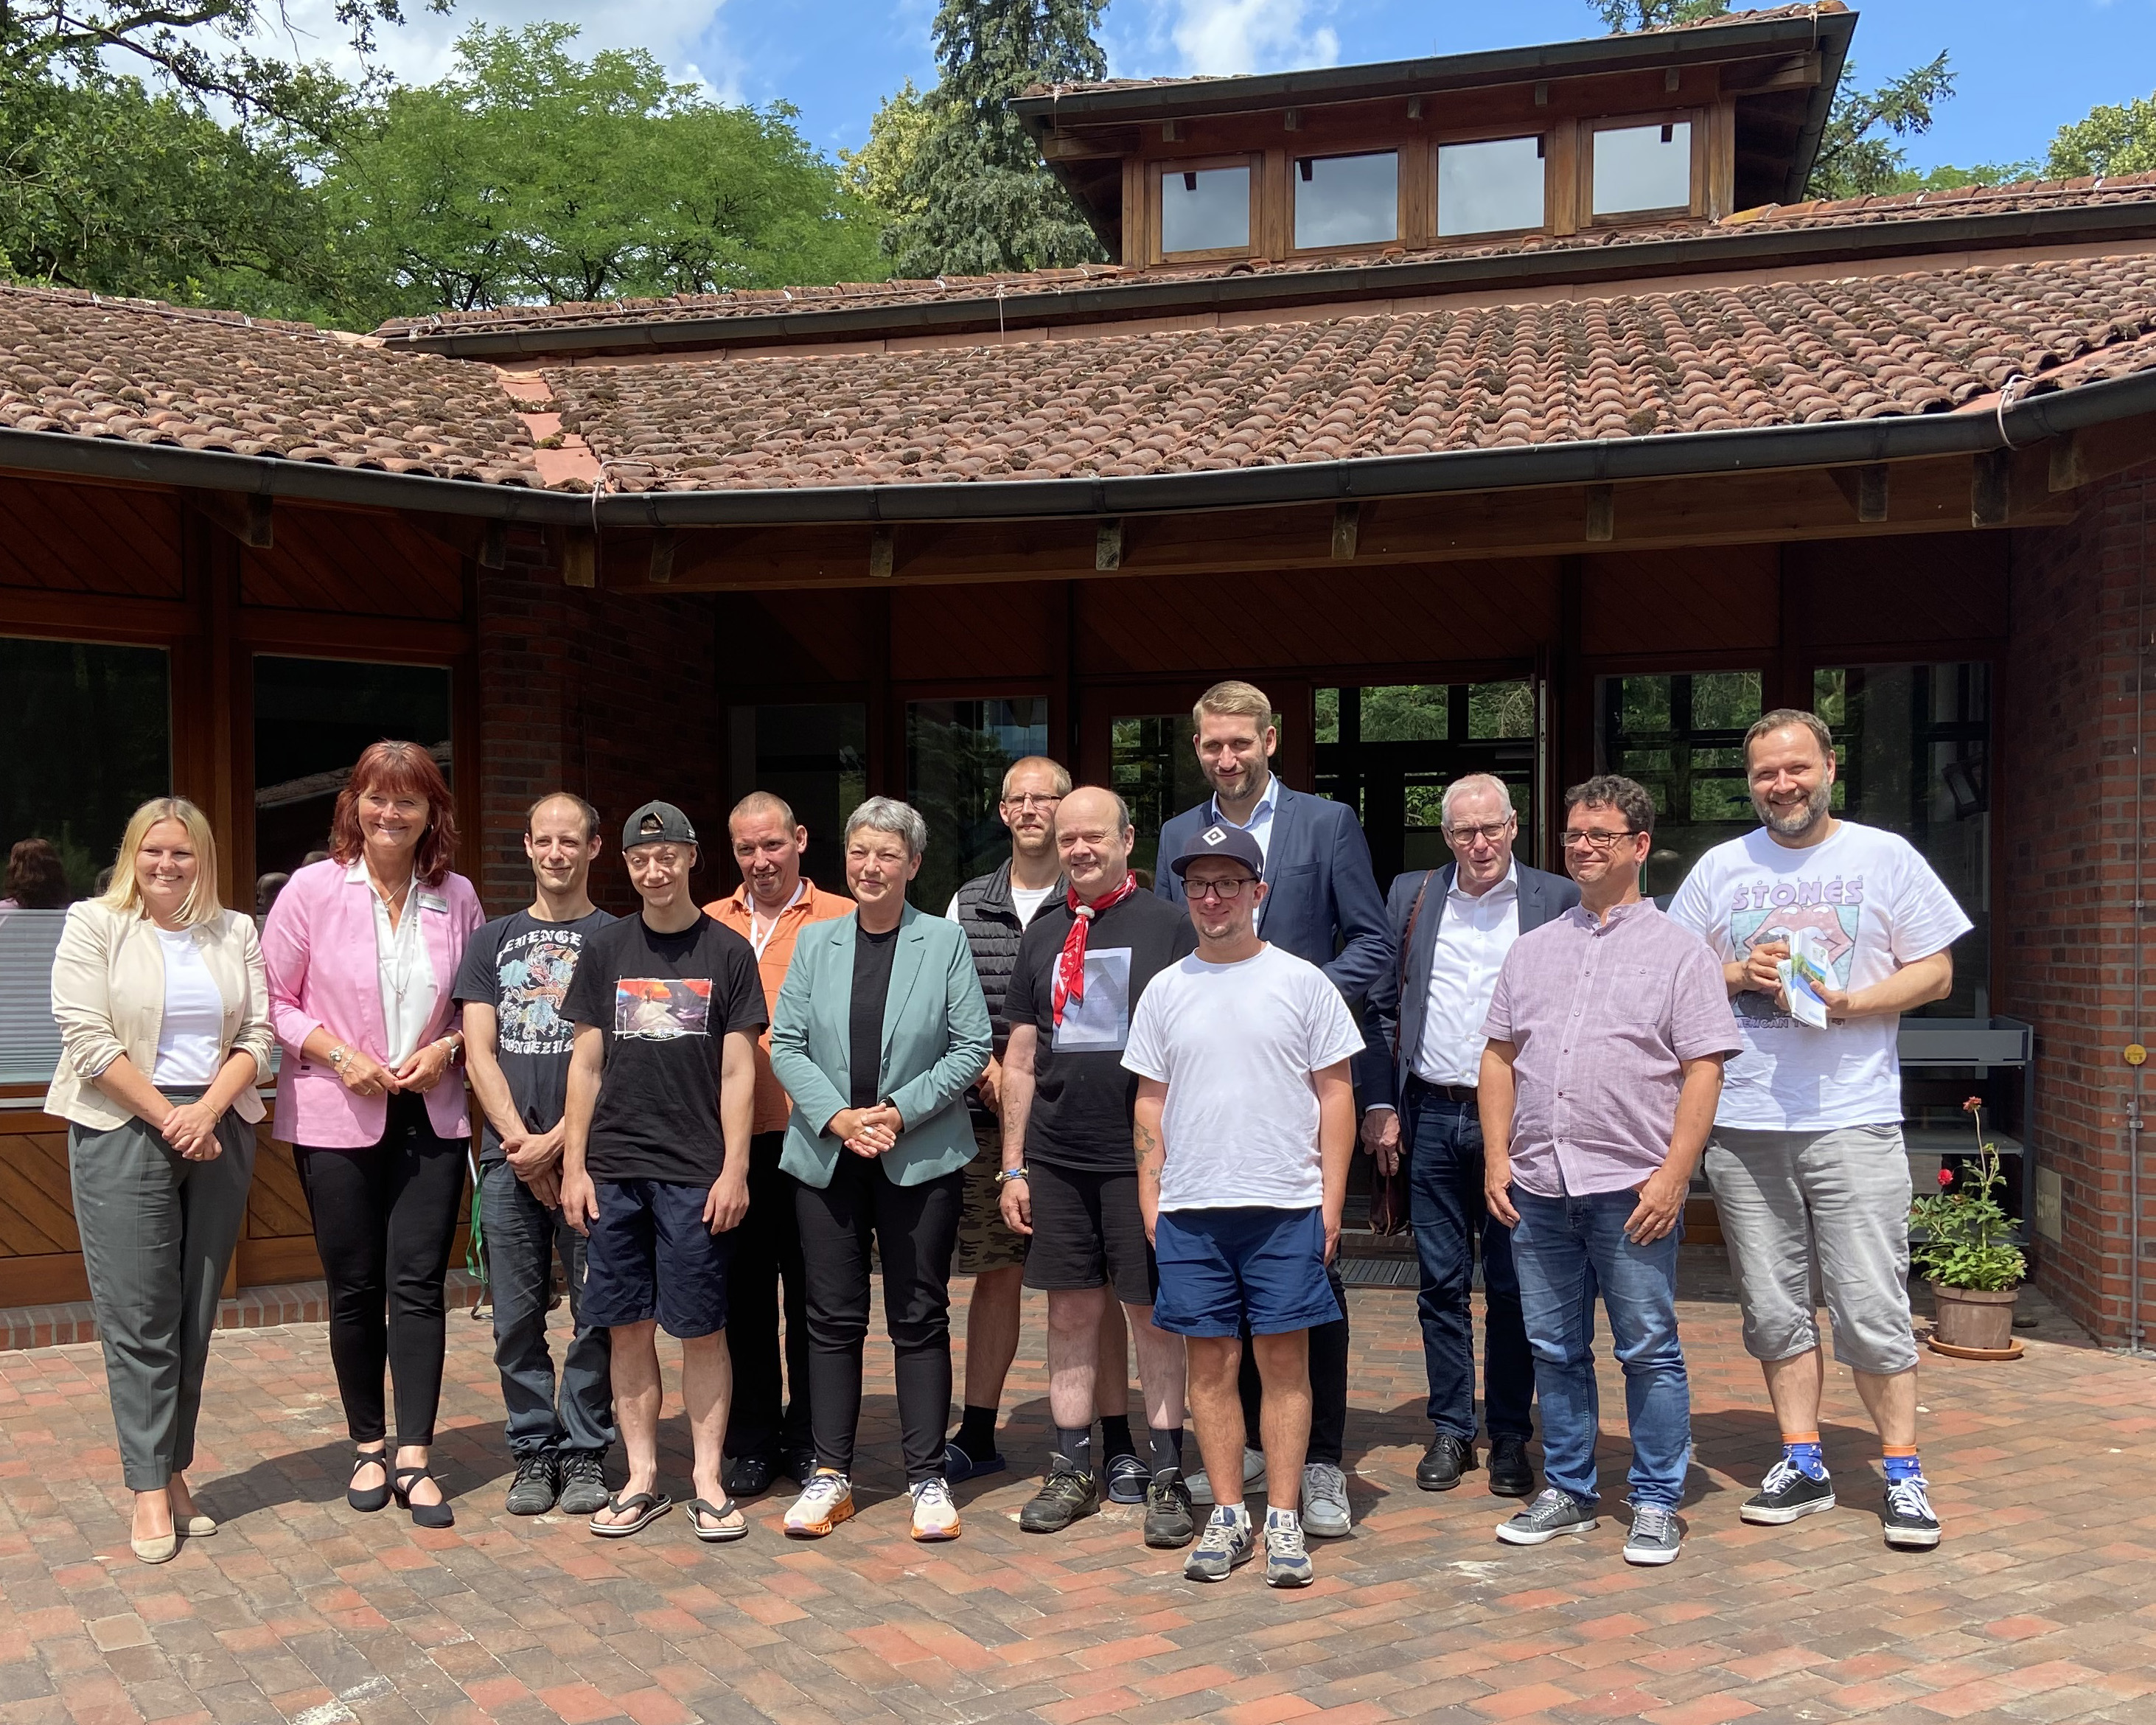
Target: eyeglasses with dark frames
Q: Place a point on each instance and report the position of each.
(1226, 891)
(1572, 837)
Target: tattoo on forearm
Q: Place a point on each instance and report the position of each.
(1149, 1154)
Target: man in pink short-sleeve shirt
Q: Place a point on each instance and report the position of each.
(1608, 1029)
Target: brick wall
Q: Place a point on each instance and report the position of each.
(2069, 773)
(613, 696)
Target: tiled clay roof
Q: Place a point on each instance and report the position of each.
(1704, 359)
(211, 380)
(1911, 208)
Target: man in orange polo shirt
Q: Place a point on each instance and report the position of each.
(766, 1435)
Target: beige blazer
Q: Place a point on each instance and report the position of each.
(109, 1000)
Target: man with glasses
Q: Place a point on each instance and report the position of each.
(1246, 1122)
(1452, 927)
(1322, 905)
(1810, 1176)
(1608, 1028)
(994, 909)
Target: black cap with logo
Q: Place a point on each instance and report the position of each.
(1221, 839)
(656, 823)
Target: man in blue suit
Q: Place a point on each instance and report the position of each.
(1321, 904)
(1452, 928)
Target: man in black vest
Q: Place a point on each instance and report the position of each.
(994, 909)
(1423, 1023)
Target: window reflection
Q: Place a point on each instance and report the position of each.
(1346, 200)
(1490, 187)
(1154, 769)
(957, 752)
(1204, 209)
(1682, 737)
(814, 755)
(1642, 167)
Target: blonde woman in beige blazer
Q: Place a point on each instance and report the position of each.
(164, 1016)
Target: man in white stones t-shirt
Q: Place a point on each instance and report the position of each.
(1810, 1176)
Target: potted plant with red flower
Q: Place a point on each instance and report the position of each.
(1965, 1246)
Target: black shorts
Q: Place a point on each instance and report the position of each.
(1088, 1232)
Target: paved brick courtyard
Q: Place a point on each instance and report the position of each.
(2041, 1606)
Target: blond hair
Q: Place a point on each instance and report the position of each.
(1242, 700)
(125, 894)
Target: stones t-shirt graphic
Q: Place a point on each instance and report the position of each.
(666, 1003)
(522, 967)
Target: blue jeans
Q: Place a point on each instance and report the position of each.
(1566, 1250)
(522, 1238)
(1443, 1144)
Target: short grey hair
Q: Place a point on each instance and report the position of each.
(887, 814)
(1470, 782)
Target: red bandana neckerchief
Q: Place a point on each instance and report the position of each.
(1070, 967)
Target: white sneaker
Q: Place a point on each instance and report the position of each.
(935, 1516)
(826, 1500)
(1254, 1477)
(1325, 1512)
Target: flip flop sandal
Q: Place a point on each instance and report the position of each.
(720, 1533)
(649, 1507)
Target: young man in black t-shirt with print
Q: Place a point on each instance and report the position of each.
(667, 1007)
(1070, 1167)
(514, 972)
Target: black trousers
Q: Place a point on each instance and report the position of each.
(915, 1229)
(767, 1253)
(1329, 1383)
(384, 1220)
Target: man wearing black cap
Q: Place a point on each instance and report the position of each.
(654, 1168)
(1246, 1120)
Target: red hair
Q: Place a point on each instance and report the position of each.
(401, 769)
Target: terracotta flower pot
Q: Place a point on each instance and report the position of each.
(1975, 1319)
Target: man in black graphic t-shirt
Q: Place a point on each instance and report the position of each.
(514, 971)
(667, 1006)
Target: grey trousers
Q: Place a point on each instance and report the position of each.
(158, 1233)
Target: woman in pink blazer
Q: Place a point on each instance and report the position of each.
(363, 953)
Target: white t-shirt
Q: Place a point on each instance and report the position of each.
(191, 1035)
(1878, 905)
(1026, 901)
(1236, 1045)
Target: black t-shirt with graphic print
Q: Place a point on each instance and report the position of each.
(1082, 1096)
(666, 1002)
(521, 966)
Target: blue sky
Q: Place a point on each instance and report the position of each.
(2024, 68)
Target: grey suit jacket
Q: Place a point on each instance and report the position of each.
(1396, 1009)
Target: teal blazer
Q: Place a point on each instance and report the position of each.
(935, 1043)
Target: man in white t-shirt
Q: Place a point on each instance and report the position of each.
(1810, 1176)
(1246, 1122)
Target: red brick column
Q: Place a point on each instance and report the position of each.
(2069, 772)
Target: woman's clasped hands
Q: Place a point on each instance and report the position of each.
(867, 1131)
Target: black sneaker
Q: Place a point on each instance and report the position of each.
(583, 1474)
(537, 1484)
(1068, 1492)
(1512, 1475)
(1911, 1525)
(1446, 1458)
(1169, 1524)
(1786, 1493)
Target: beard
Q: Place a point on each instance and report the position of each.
(1806, 815)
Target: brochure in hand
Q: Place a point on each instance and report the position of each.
(1804, 973)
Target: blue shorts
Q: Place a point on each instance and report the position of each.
(651, 1255)
(1222, 1269)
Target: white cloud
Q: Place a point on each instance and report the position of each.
(1227, 37)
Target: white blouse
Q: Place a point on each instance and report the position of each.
(409, 988)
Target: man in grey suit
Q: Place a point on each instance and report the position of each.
(1452, 927)
(1322, 905)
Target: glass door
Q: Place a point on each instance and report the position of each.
(957, 752)
(1680, 734)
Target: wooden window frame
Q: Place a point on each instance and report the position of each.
(1545, 135)
(1158, 170)
(1697, 119)
(1403, 214)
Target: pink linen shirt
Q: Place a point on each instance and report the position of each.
(1602, 1015)
(318, 946)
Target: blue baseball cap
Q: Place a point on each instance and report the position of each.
(1221, 839)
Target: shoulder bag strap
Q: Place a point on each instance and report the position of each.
(1407, 947)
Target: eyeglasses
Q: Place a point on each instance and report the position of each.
(1227, 891)
(1468, 836)
(1571, 839)
(1032, 800)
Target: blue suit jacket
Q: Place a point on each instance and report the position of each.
(1322, 902)
(1396, 1014)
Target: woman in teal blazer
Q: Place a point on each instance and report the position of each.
(880, 1030)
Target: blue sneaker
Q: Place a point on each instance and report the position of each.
(1227, 1542)
(958, 1466)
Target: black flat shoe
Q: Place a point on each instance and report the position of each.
(423, 1515)
(1444, 1461)
(366, 1503)
(1512, 1475)
(748, 1477)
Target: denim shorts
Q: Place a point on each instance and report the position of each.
(651, 1255)
(1220, 1269)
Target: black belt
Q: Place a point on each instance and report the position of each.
(1450, 1092)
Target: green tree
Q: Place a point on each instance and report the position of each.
(1857, 156)
(980, 200)
(877, 171)
(2117, 138)
(529, 174)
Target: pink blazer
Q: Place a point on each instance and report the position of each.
(318, 946)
